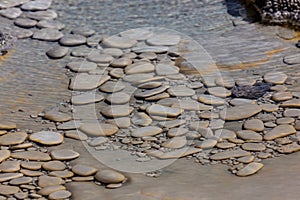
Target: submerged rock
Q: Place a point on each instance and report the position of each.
(251, 92)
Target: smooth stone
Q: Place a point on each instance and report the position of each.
(175, 142)
(10, 166)
(83, 66)
(9, 176)
(175, 132)
(154, 49)
(151, 92)
(42, 15)
(84, 170)
(109, 176)
(50, 189)
(141, 119)
(118, 98)
(121, 62)
(291, 59)
(249, 135)
(98, 141)
(32, 165)
(138, 78)
(37, 5)
(45, 181)
(11, 13)
(84, 31)
(219, 92)
(51, 24)
(295, 103)
(64, 154)
(12, 3)
(160, 110)
(54, 165)
(83, 51)
(291, 112)
(60, 194)
(31, 155)
(253, 147)
(146, 131)
(172, 124)
(230, 154)
(57, 52)
(178, 153)
(117, 73)
(254, 125)
(121, 122)
(8, 190)
(225, 81)
(83, 178)
(285, 120)
(25, 22)
(168, 101)
(57, 116)
(13, 138)
(21, 33)
(290, 148)
(236, 140)
(240, 112)
(275, 77)
(112, 86)
(269, 107)
(178, 76)
(224, 134)
(113, 185)
(113, 111)
(245, 81)
(297, 126)
(84, 81)
(115, 52)
(4, 154)
(163, 40)
(206, 144)
(246, 159)
(280, 131)
(241, 101)
(250, 169)
(72, 40)
(148, 55)
(62, 174)
(21, 181)
(282, 96)
(98, 57)
(139, 67)
(98, 129)
(118, 42)
(279, 88)
(195, 126)
(31, 173)
(225, 145)
(7, 125)
(150, 85)
(163, 69)
(188, 104)
(47, 34)
(137, 34)
(211, 100)
(73, 124)
(181, 91)
(158, 97)
(86, 98)
(21, 195)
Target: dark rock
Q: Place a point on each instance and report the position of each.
(6, 42)
(251, 92)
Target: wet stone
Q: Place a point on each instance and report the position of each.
(7, 125)
(230, 154)
(31, 165)
(81, 51)
(54, 165)
(99, 129)
(291, 113)
(11, 13)
(13, 138)
(47, 34)
(31, 173)
(21, 33)
(109, 176)
(250, 169)
(290, 148)
(188, 104)
(62, 174)
(246, 159)
(57, 116)
(86, 98)
(84, 31)
(285, 120)
(241, 101)
(121, 62)
(211, 100)
(219, 92)
(42, 15)
(51, 24)
(121, 122)
(37, 5)
(118, 98)
(282, 96)
(9, 176)
(279, 131)
(163, 69)
(45, 181)
(163, 40)
(240, 112)
(31, 155)
(21, 181)
(76, 135)
(245, 81)
(291, 103)
(83, 178)
(117, 73)
(73, 124)
(84, 81)
(155, 49)
(139, 67)
(49, 189)
(137, 34)
(146, 131)
(64, 154)
(206, 144)
(113, 111)
(57, 52)
(72, 40)
(98, 141)
(60, 194)
(175, 132)
(8, 190)
(225, 81)
(10, 166)
(251, 91)
(148, 55)
(4, 154)
(291, 59)
(180, 91)
(253, 146)
(83, 66)
(225, 145)
(112, 86)
(138, 78)
(115, 52)
(175, 142)
(25, 22)
(141, 119)
(254, 125)
(249, 135)
(118, 42)
(269, 107)
(84, 170)
(151, 92)
(225, 134)
(98, 57)
(11, 3)
(160, 110)
(275, 77)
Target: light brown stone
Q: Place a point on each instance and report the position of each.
(280, 131)
(240, 112)
(250, 169)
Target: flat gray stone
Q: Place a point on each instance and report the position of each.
(57, 116)
(11, 13)
(160, 110)
(121, 62)
(211, 100)
(8, 190)
(42, 15)
(139, 67)
(4, 154)
(146, 131)
(57, 52)
(163, 69)
(249, 135)
(37, 5)
(275, 77)
(87, 82)
(84, 31)
(72, 40)
(230, 154)
(250, 169)
(54, 165)
(118, 42)
(146, 49)
(206, 144)
(115, 52)
(163, 40)
(47, 34)
(240, 112)
(13, 138)
(64, 154)
(31, 155)
(60, 194)
(98, 57)
(12, 3)
(118, 98)
(254, 125)
(25, 22)
(280, 131)
(47, 137)
(114, 111)
(86, 98)
(84, 170)
(51, 24)
(141, 119)
(253, 146)
(181, 91)
(98, 129)
(109, 176)
(219, 92)
(83, 66)
(151, 92)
